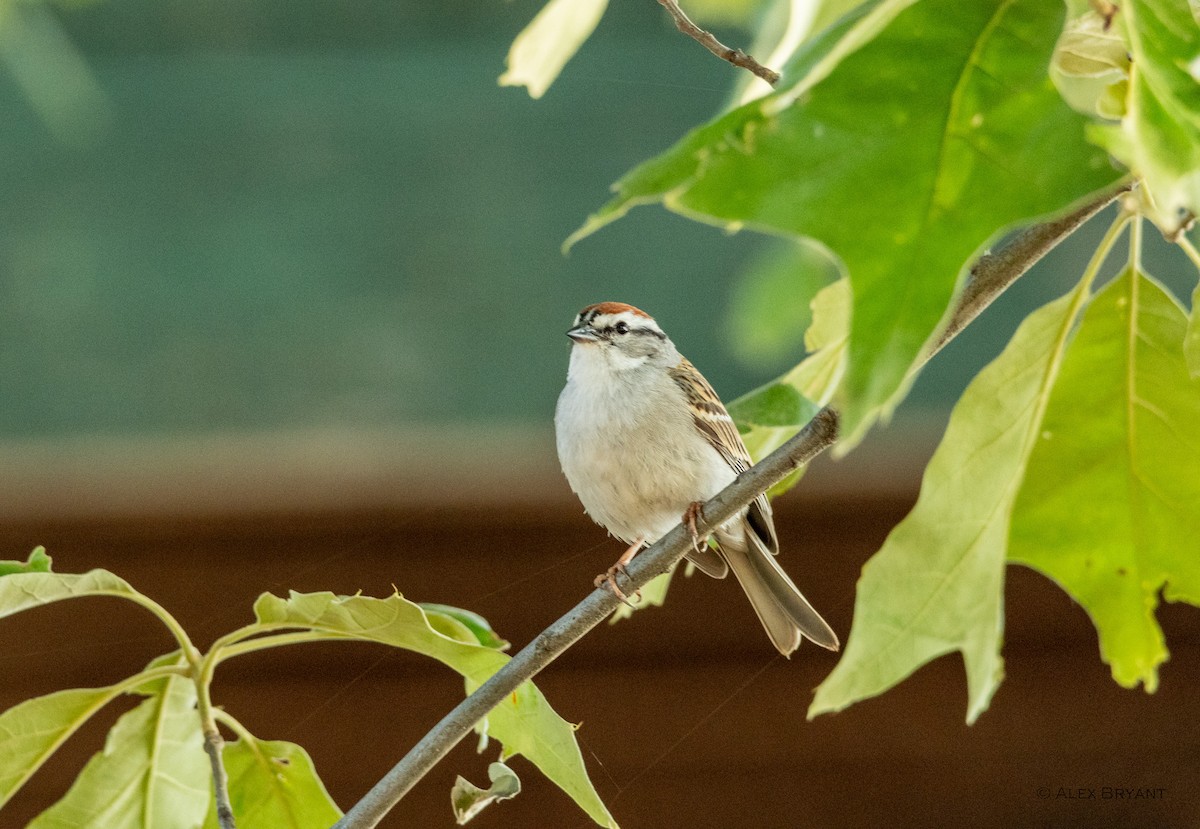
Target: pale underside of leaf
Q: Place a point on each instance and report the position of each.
(1111, 505)
(524, 722)
(543, 48)
(152, 774)
(937, 584)
(33, 730)
(468, 800)
(23, 591)
(273, 784)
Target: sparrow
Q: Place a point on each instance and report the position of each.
(644, 441)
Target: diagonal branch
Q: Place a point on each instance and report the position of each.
(705, 38)
(991, 274)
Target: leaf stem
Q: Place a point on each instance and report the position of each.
(990, 277)
(190, 653)
(278, 640)
(1107, 243)
(233, 724)
(1135, 245)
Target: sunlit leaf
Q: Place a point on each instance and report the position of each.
(937, 585)
(33, 730)
(808, 386)
(525, 723)
(25, 590)
(654, 594)
(273, 785)
(913, 152)
(1191, 342)
(1110, 508)
(541, 51)
(774, 405)
(152, 773)
(468, 800)
(38, 562)
(770, 308)
(1159, 137)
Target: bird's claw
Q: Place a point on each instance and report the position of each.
(689, 519)
(608, 579)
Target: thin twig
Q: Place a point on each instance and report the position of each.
(820, 433)
(991, 275)
(735, 56)
(213, 744)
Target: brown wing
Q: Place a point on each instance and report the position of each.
(714, 422)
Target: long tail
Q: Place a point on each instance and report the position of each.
(782, 609)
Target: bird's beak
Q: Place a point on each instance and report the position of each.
(583, 334)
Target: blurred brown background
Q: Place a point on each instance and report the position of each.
(281, 307)
(689, 718)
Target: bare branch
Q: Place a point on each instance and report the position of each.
(213, 743)
(735, 56)
(992, 274)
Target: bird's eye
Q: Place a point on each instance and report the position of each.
(621, 328)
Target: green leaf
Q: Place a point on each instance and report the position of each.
(38, 562)
(34, 729)
(770, 308)
(807, 387)
(654, 594)
(468, 800)
(1159, 137)
(774, 405)
(152, 774)
(26, 590)
(1191, 342)
(273, 785)
(937, 585)
(911, 154)
(525, 723)
(541, 51)
(1111, 504)
(481, 631)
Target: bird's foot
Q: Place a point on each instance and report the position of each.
(694, 511)
(608, 579)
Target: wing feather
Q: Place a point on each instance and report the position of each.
(713, 421)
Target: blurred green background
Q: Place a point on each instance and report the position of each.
(238, 216)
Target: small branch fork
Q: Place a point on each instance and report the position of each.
(705, 38)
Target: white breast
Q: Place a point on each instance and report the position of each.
(629, 448)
